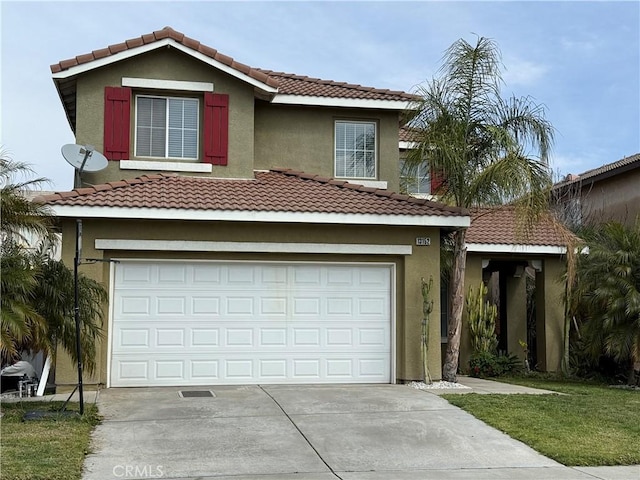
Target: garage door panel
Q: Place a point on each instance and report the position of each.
(203, 323)
(238, 368)
(180, 338)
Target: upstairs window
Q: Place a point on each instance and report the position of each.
(355, 149)
(416, 180)
(167, 127)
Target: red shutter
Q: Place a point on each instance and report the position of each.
(436, 181)
(216, 128)
(117, 122)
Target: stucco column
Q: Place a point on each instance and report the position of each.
(554, 312)
(550, 314)
(516, 314)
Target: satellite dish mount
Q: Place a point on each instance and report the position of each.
(84, 158)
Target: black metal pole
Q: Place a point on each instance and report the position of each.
(76, 262)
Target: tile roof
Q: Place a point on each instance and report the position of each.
(287, 83)
(499, 225)
(277, 190)
(623, 165)
(407, 134)
(292, 84)
(166, 32)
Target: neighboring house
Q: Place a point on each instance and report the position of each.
(225, 262)
(33, 241)
(610, 192)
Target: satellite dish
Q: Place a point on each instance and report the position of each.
(84, 158)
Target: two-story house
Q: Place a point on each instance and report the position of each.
(609, 192)
(246, 221)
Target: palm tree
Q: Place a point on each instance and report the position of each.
(53, 298)
(608, 293)
(19, 216)
(488, 151)
(37, 292)
(20, 220)
(20, 322)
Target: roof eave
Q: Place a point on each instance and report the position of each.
(308, 100)
(515, 248)
(139, 213)
(590, 179)
(165, 42)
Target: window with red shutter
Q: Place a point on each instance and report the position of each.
(216, 128)
(437, 181)
(117, 122)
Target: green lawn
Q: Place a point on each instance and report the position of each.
(51, 449)
(590, 425)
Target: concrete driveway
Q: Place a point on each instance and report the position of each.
(371, 432)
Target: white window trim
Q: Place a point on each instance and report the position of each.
(153, 83)
(166, 166)
(380, 184)
(375, 151)
(135, 129)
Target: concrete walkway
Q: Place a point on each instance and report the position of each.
(90, 396)
(350, 432)
(484, 387)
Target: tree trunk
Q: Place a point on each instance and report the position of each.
(450, 367)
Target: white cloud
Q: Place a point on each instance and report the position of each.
(584, 46)
(523, 72)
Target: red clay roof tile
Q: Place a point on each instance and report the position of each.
(269, 191)
(287, 83)
(103, 52)
(499, 225)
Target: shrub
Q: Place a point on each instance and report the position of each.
(487, 364)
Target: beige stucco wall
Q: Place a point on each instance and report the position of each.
(616, 198)
(165, 64)
(423, 262)
(303, 138)
(299, 137)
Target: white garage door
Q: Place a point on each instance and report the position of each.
(202, 323)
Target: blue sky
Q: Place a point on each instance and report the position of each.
(580, 59)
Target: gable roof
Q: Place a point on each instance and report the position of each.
(495, 230)
(277, 87)
(605, 171)
(278, 195)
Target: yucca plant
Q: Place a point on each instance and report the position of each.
(427, 308)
